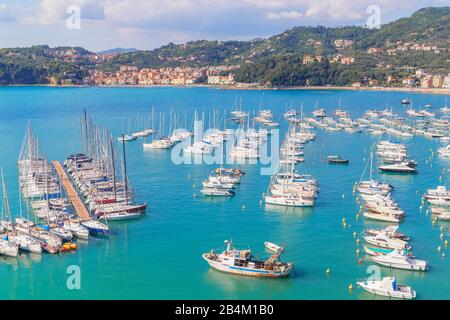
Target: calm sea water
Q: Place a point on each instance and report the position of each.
(159, 255)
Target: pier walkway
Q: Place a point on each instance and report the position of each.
(74, 198)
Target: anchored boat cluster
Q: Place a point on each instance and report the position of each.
(58, 199)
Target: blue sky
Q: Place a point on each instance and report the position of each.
(146, 24)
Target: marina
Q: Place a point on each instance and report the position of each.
(180, 218)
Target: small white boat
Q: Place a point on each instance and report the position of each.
(8, 248)
(273, 247)
(123, 215)
(25, 242)
(384, 240)
(388, 287)
(62, 233)
(77, 229)
(217, 192)
(382, 217)
(403, 167)
(399, 260)
(126, 138)
(95, 227)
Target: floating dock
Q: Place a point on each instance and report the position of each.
(74, 198)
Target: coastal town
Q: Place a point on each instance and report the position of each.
(398, 76)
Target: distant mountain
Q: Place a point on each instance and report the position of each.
(118, 51)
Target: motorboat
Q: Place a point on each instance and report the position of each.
(388, 287)
(126, 138)
(383, 240)
(399, 260)
(382, 217)
(403, 167)
(162, 143)
(391, 230)
(290, 200)
(337, 160)
(95, 227)
(242, 262)
(217, 192)
(441, 213)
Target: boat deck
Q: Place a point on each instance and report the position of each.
(74, 198)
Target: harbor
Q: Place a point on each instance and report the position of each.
(180, 218)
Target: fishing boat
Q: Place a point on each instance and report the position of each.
(388, 287)
(337, 160)
(242, 262)
(273, 247)
(399, 260)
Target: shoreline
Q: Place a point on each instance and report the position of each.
(440, 91)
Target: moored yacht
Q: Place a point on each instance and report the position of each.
(388, 287)
(403, 167)
(399, 260)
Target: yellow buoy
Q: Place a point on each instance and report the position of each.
(357, 251)
(350, 287)
(328, 271)
(357, 240)
(446, 243)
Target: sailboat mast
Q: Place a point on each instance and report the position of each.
(113, 168)
(125, 172)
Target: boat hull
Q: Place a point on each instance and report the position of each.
(243, 271)
(386, 293)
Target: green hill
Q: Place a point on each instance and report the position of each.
(276, 60)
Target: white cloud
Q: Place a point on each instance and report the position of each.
(5, 14)
(284, 15)
(53, 11)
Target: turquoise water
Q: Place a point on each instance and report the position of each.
(159, 255)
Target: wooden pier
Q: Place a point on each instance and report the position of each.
(74, 198)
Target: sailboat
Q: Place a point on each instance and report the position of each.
(7, 247)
